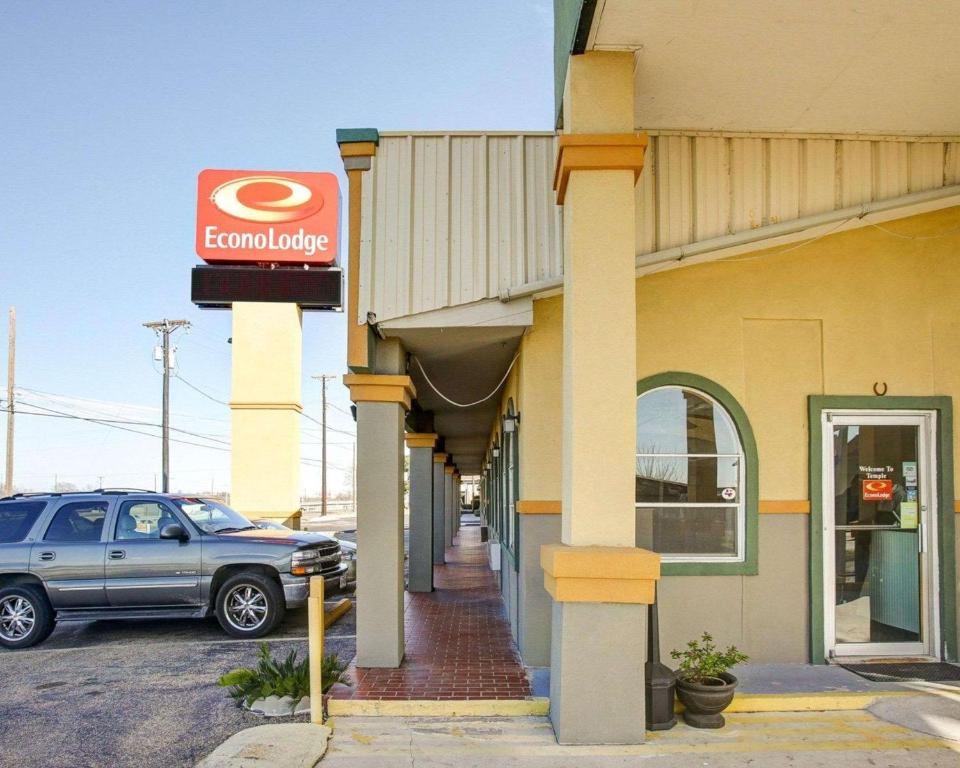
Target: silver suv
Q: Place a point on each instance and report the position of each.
(118, 554)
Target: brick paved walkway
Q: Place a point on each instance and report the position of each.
(458, 643)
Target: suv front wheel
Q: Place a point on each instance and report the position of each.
(26, 617)
(250, 605)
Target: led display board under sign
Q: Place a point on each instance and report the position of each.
(268, 217)
(313, 289)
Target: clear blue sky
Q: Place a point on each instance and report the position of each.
(110, 109)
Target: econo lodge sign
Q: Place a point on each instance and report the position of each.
(279, 217)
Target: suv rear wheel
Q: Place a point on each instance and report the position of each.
(26, 617)
(250, 605)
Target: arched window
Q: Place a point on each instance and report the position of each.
(695, 473)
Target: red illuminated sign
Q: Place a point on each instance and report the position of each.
(877, 490)
(281, 217)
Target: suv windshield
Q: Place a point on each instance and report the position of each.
(213, 517)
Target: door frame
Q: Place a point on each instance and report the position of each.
(942, 407)
(929, 594)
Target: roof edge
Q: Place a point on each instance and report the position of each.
(358, 135)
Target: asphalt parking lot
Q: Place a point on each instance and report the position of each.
(126, 693)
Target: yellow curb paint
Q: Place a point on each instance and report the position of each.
(339, 609)
(806, 702)
(538, 706)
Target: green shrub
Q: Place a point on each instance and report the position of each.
(702, 660)
(284, 678)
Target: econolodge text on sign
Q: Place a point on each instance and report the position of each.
(283, 217)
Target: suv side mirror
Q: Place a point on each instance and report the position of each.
(173, 531)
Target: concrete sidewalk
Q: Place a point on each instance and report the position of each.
(795, 739)
(921, 728)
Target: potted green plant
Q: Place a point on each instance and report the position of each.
(704, 684)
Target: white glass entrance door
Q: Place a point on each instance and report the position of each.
(879, 534)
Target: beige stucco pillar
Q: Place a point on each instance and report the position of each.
(265, 411)
(439, 508)
(448, 486)
(420, 574)
(600, 583)
(382, 402)
(456, 503)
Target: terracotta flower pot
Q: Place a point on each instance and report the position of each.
(703, 702)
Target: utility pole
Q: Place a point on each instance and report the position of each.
(163, 329)
(323, 442)
(11, 357)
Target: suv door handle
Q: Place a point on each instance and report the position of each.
(48, 555)
(117, 554)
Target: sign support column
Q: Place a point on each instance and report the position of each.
(265, 407)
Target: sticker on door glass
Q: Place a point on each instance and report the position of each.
(910, 474)
(908, 514)
(877, 490)
(728, 494)
(911, 494)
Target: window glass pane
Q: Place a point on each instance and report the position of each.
(877, 586)
(142, 520)
(82, 521)
(687, 479)
(688, 530)
(17, 518)
(870, 464)
(211, 516)
(675, 420)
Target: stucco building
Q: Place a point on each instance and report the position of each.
(722, 300)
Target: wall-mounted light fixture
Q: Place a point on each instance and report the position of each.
(510, 422)
(496, 453)
(489, 466)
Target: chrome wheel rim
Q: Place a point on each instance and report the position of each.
(17, 618)
(245, 607)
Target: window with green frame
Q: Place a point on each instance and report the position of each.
(511, 445)
(496, 494)
(696, 476)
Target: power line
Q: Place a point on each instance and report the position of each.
(104, 423)
(112, 403)
(308, 417)
(104, 420)
(338, 408)
(200, 391)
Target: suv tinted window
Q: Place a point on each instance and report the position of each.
(80, 521)
(17, 518)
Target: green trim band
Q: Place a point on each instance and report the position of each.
(943, 406)
(358, 135)
(748, 567)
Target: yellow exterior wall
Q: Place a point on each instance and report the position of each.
(535, 386)
(829, 317)
(541, 370)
